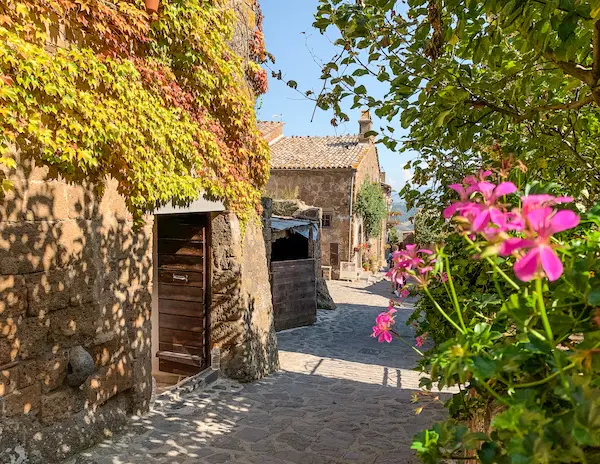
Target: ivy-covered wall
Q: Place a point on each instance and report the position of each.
(161, 104)
(107, 113)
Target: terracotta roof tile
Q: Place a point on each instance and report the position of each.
(333, 152)
(266, 127)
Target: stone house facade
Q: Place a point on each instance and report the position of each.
(80, 318)
(327, 172)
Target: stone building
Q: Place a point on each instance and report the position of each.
(327, 172)
(91, 307)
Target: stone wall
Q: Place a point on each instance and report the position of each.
(325, 189)
(73, 273)
(242, 312)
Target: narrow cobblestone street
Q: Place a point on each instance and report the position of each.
(340, 397)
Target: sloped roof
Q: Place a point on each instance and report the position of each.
(266, 127)
(333, 152)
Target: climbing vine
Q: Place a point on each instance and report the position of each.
(96, 89)
(371, 207)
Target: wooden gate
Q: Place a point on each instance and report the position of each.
(294, 293)
(183, 293)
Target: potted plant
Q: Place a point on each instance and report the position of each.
(152, 6)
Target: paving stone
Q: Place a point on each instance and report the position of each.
(340, 397)
(252, 434)
(295, 440)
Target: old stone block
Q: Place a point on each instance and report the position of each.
(106, 353)
(82, 202)
(108, 381)
(13, 202)
(73, 326)
(33, 337)
(76, 241)
(228, 333)
(52, 370)
(13, 295)
(48, 292)
(140, 340)
(226, 308)
(9, 327)
(142, 384)
(23, 401)
(27, 247)
(8, 351)
(60, 405)
(9, 380)
(227, 282)
(46, 201)
(29, 373)
(113, 204)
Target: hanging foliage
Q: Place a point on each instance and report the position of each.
(164, 109)
(371, 207)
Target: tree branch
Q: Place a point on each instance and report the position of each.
(573, 69)
(574, 105)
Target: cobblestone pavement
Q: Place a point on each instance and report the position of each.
(340, 397)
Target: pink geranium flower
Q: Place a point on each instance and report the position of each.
(419, 341)
(540, 259)
(531, 202)
(490, 212)
(405, 293)
(473, 182)
(383, 326)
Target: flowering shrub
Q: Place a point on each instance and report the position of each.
(517, 331)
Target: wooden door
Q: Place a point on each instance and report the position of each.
(183, 293)
(334, 254)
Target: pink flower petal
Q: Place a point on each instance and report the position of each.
(509, 246)
(458, 188)
(486, 188)
(563, 220)
(550, 263)
(385, 337)
(497, 216)
(481, 220)
(450, 210)
(505, 188)
(538, 218)
(526, 267)
(563, 199)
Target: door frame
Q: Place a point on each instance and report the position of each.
(207, 250)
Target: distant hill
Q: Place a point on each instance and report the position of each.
(405, 219)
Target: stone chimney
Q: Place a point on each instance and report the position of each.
(365, 125)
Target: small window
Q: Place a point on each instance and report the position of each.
(327, 219)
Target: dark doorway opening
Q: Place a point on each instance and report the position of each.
(292, 247)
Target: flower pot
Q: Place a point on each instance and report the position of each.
(152, 6)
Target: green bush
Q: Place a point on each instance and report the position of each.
(371, 207)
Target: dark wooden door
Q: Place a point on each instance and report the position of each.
(294, 293)
(183, 293)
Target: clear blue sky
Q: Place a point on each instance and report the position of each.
(298, 50)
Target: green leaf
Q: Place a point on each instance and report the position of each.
(441, 118)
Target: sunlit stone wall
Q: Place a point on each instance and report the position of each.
(75, 302)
